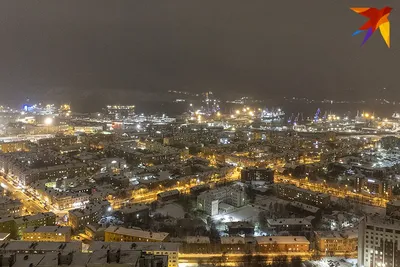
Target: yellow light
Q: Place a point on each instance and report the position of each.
(48, 121)
(232, 116)
(248, 108)
(372, 117)
(251, 113)
(366, 115)
(218, 114)
(237, 111)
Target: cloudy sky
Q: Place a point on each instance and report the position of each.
(260, 47)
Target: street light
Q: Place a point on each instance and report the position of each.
(48, 121)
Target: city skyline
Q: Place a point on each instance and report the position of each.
(139, 49)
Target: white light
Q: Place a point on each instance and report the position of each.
(109, 209)
(48, 121)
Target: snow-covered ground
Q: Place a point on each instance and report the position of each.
(263, 202)
(251, 211)
(338, 262)
(174, 210)
(246, 213)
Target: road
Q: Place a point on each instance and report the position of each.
(336, 192)
(140, 196)
(33, 206)
(235, 259)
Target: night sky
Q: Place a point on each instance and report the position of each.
(116, 51)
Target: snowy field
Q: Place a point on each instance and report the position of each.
(173, 210)
(246, 213)
(249, 212)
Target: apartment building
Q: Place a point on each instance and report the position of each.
(295, 226)
(150, 248)
(16, 225)
(293, 193)
(379, 242)
(122, 234)
(334, 241)
(91, 214)
(283, 244)
(210, 201)
(47, 233)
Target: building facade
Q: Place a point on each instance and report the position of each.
(379, 242)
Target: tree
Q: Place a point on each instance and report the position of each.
(280, 261)
(251, 194)
(262, 219)
(296, 261)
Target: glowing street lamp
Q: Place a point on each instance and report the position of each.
(48, 121)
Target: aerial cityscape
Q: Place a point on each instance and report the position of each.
(199, 133)
(249, 187)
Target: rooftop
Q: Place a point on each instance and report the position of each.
(232, 240)
(303, 206)
(197, 240)
(289, 221)
(133, 208)
(136, 233)
(39, 246)
(169, 193)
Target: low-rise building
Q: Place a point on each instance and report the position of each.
(95, 231)
(168, 195)
(16, 225)
(294, 226)
(8, 147)
(151, 248)
(79, 218)
(333, 241)
(47, 233)
(240, 228)
(30, 247)
(10, 207)
(291, 192)
(283, 243)
(134, 215)
(122, 234)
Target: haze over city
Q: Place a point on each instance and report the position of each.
(131, 49)
(199, 133)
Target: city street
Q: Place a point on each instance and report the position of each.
(30, 204)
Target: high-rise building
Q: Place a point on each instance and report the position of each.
(212, 201)
(257, 174)
(379, 242)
